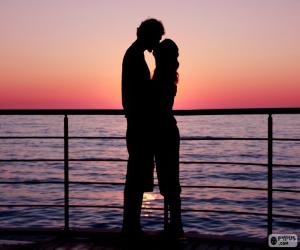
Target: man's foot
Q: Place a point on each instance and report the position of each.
(172, 233)
(132, 239)
(132, 234)
(176, 232)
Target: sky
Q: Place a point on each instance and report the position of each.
(68, 53)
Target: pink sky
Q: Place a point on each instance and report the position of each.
(68, 53)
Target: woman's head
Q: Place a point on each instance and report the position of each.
(166, 58)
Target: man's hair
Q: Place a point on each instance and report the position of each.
(150, 27)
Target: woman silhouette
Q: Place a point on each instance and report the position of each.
(167, 139)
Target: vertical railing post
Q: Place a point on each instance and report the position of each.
(66, 171)
(270, 174)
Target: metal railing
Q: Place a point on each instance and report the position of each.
(260, 111)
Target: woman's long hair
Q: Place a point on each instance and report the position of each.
(166, 58)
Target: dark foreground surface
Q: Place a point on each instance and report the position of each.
(93, 239)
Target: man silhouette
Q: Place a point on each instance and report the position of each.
(136, 100)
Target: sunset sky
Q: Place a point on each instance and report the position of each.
(68, 53)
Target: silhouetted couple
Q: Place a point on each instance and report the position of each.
(152, 134)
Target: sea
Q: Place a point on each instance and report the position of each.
(216, 206)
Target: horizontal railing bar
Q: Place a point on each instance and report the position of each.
(238, 163)
(151, 208)
(224, 163)
(240, 188)
(235, 139)
(30, 160)
(208, 138)
(31, 137)
(286, 190)
(286, 139)
(124, 160)
(61, 137)
(121, 184)
(244, 111)
(42, 159)
(31, 205)
(123, 138)
(31, 182)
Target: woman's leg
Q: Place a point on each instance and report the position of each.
(167, 166)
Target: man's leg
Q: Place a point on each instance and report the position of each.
(133, 194)
(139, 177)
(132, 210)
(175, 213)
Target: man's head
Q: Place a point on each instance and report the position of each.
(150, 33)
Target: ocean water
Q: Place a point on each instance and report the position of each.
(250, 151)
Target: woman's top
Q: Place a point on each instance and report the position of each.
(164, 93)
